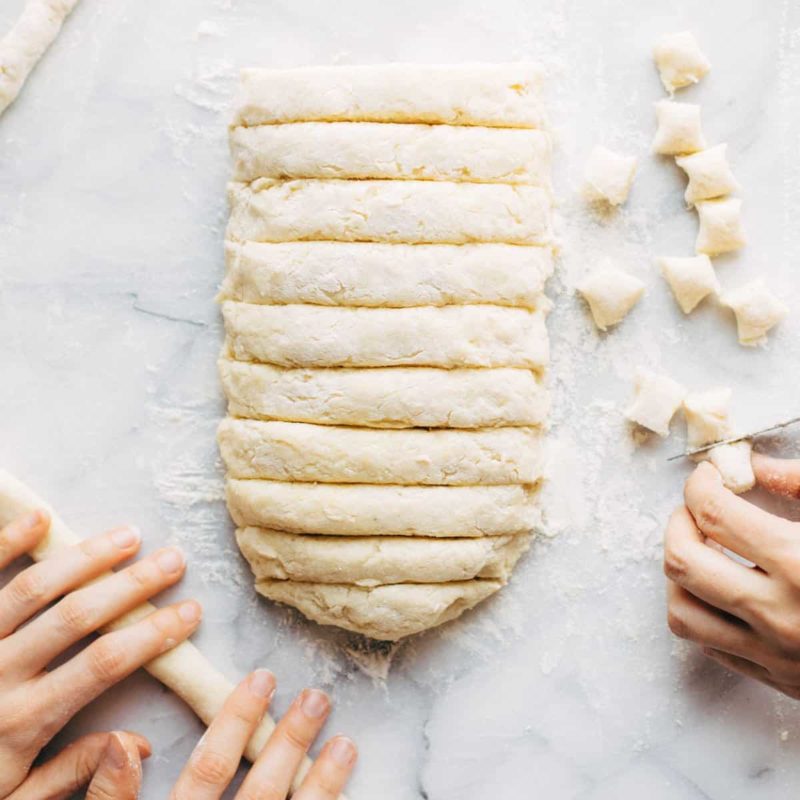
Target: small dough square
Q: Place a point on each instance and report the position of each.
(709, 174)
(734, 465)
(680, 60)
(707, 416)
(611, 294)
(691, 279)
(721, 230)
(609, 176)
(680, 130)
(757, 311)
(657, 399)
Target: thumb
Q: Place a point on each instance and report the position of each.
(119, 774)
(777, 475)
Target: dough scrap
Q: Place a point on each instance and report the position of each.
(611, 294)
(680, 60)
(450, 336)
(721, 230)
(378, 560)
(757, 311)
(679, 129)
(413, 212)
(709, 174)
(391, 397)
(24, 45)
(657, 399)
(386, 275)
(734, 465)
(367, 510)
(691, 279)
(502, 95)
(293, 451)
(707, 416)
(385, 613)
(609, 176)
(391, 151)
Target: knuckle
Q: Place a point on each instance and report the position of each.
(141, 575)
(267, 789)
(676, 567)
(75, 616)
(212, 768)
(677, 624)
(297, 738)
(106, 660)
(708, 513)
(28, 588)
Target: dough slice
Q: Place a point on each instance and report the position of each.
(379, 150)
(450, 336)
(385, 612)
(377, 560)
(295, 451)
(399, 397)
(391, 275)
(365, 510)
(413, 212)
(504, 95)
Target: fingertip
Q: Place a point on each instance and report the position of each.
(142, 743)
(191, 612)
(343, 751)
(262, 684)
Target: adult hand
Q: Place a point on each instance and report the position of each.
(746, 618)
(34, 703)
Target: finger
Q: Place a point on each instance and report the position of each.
(214, 761)
(22, 535)
(87, 610)
(708, 574)
(63, 692)
(327, 777)
(739, 664)
(777, 475)
(733, 522)
(36, 587)
(273, 772)
(119, 774)
(71, 769)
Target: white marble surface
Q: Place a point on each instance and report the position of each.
(568, 684)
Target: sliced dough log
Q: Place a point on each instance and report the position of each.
(377, 560)
(428, 336)
(375, 274)
(388, 211)
(399, 397)
(379, 150)
(292, 451)
(365, 510)
(384, 612)
(505, 95)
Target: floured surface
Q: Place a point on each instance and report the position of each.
(570, 669)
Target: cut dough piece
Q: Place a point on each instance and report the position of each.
(292, 451)
(657, 399)
(680, 60)
(721, 229)
(502, 95)
(414, 212)
(450, 336)
(609, 176)
(391, 397)
(379, 150)
(709, 174)
(25, 44)
(691, 279)
(679, 129)
(611, 294)
(707, 416)
(387, 613)
(757, 311)
(378, 560)
(391, 275)
(365, 510)
(734, 465)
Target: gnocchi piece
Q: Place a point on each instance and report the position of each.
(709, 174)
(680, 130)
(611, 294)
(609, 176)
(721, 229)
(757, 311)
(707, 416)
(680, 60)
(657, 399)
(734, 465)
(691, 279)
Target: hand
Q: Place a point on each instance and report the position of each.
(34, 703)
(746, 618)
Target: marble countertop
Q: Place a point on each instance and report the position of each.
(565, 685)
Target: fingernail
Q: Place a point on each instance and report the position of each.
(170, 561)
(190, 612)
(126, 537)
(315, 704)
(262, 683)
(116, 753)
(343, 751)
